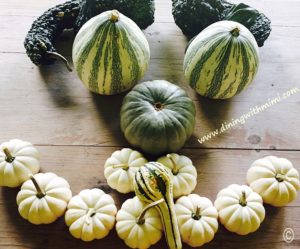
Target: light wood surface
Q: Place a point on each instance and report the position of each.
(77, 131)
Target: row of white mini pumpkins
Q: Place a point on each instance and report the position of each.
(91, 214)
(275, 179)
(239, 208)
(44, 197)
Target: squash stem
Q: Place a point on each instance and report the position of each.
(141, 218)
(175, 169)
(197, 215)
(40, 194)
(9, 157)
(235, 32)
(59, 56)
(243, 201)
(280, 177)
(114, 16)
(121, 165)
(158, 106)
(89, 214)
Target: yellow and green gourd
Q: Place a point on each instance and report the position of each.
(153, 183)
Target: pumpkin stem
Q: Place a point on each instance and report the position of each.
(175, 169)
(121, 165)
(59, 56)
(158, 106)
(9, 157)
(141, 218)
(243, 201)
(280, 177)
(114, 16)
(197, 215)
(91, 212)
(40, 194)
(235, 32)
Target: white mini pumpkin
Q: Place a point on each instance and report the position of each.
(91, 214)
(43, 198)
(18, 159)
(240, 209)
(197, 219)
(121, 167)
(275, 179)
(138, 224)
(184, 173)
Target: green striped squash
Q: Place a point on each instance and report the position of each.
(153, 184)
(222, 60)
(110, 53)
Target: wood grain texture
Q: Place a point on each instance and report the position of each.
(82, 166)
(76, 131)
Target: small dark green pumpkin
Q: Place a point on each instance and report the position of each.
(157, 117)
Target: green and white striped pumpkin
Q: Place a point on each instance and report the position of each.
(222, 60)
(110, 53)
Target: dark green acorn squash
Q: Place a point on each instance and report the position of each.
(157, 117)
(258, 24)
(45, 30)
(140, 11)
(192, 16)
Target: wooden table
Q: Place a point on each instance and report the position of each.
(77, 131)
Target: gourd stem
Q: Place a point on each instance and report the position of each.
(121, 165)
(235, 32)
(59, 56)
(243, 201)
(89, 214)
(114, 16)
(141, 218)
(175, 169)
(9, 157)
(40, 194)
(196, 215)
(280, 177)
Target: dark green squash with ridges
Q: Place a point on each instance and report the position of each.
(140, 11)
(194, 16)
(157, 117)
(45, 30)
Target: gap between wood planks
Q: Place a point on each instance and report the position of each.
(185, 148)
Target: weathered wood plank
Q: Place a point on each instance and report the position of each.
(83, 168)
(55, 103)
(51, 107)
(53, 87)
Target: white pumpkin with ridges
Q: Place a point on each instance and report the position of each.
(91, 214)
(138, 225)
(197, 219)
(275, 179)
(184, 173)
(18, 159)
(240, 209)
(43, 198)
(120, 168)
